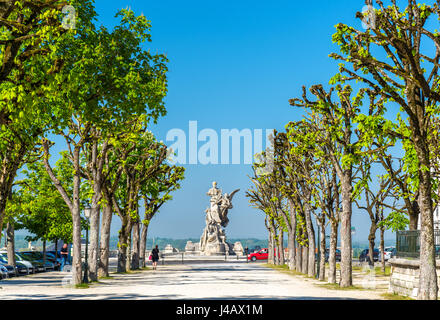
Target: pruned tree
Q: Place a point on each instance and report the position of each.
(332, 131)
(393, 58)
(155, 193)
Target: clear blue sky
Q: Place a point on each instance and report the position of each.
(234, 64)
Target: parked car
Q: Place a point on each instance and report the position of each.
(29, 264)
(21, 268)
(3, 272)
(338, 255)
(261, 254)
(50, 264)
(56, 261)
(364, 256)
(19, 259)
(387, 253)
(36, 258)
(10, 269)
(36, 263)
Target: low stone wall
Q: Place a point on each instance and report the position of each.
(404, 278)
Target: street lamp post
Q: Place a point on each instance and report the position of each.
(87, 211)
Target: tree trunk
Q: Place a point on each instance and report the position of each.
(322, 249)
(105, 241)
(76, 220)
(136, 245)
(282, 261)
(122, 251)
(312, 245)
(76, 247)
(414, 216)
(292, 250)
(346, 242)
(94, 241)
(96, 174)
(10, 238)
(128, 259)
(44, 252)
(143, 245)
(382, 247)
(298, 259)
(270, 252)
(305, 260)
(371, 243)
(332, 252)
(428, 289)
(74, 207)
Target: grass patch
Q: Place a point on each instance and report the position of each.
(338, 266)
(284, 268)
(395, 296)
(82, 286)
(129, 272)
(379, 271)
(335, 286)
(106, 278)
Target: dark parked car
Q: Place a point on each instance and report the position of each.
(56, 261)
(37, 264)
(20, 262)
(338, 255)
(36, 258)
(21, 268)
(11, 270)
(364, 256)
(3, 272)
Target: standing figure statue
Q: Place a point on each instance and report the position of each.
(213, 240)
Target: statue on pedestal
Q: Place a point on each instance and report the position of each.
(213, 240)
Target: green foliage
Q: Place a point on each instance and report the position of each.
(40, 208)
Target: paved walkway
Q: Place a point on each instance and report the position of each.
(199, 281)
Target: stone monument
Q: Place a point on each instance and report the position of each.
(238, 248)
(213, 240)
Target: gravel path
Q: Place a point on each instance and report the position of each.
(199, 281)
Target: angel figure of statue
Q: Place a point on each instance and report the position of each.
(225, 205)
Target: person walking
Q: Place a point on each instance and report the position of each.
(155, 256)
(64, 255)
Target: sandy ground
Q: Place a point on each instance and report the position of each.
(227, 280)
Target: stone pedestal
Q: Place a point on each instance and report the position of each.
(169, 249)
(192, 248)
(238, 248)
(405, 274)
(213, 241)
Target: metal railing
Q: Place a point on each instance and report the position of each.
(182, 257)
(408, 243)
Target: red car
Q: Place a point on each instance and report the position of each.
(259, 255)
